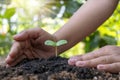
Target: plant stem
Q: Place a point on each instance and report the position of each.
(56, 51)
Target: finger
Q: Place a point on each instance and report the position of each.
(9, 60)
(107, 50)
(33, 53)
(36, 54)
(29, 54)
(87, 56)
(114, 67)
(27, 34)
(20, 58)
(98, 53)
(100, 60)
(74, 59)
(14, 52)
(39, 54)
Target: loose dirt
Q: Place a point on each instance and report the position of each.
(54, 68)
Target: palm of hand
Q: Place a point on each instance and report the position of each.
(36, 49)
(30, 44)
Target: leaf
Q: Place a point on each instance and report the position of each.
(69, 10)
(50, 43)
(61, 42)
(9, 13)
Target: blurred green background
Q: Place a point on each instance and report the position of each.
(18, 15)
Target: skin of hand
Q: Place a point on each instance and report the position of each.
(105, 59)
(30, 44)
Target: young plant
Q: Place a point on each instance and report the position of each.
(55, 44)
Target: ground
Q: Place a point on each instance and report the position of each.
(54, 68)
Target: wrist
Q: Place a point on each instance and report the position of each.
(61, 48)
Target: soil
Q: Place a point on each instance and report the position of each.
(54, 68)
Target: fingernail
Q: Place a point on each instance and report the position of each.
(101, 67)
(7, 65)
(16, 35)
(8, 59)
(72, 60)
(7, 62)
(80, 63)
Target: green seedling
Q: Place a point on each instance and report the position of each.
(55, 44)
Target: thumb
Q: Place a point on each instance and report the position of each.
(20, 36)
(32, 33)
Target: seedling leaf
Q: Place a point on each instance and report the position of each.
(61, 42)
(50, 43)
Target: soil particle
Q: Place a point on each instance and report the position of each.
(54, 68)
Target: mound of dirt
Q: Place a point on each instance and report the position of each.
(54, 68)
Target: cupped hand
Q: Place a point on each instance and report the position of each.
(106, 59)
(30, 44)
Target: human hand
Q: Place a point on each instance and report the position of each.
(30, 44)
(106, 58)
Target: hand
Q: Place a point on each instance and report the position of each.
(106, 58)
(30, 44)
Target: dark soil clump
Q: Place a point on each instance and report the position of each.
(54, 68)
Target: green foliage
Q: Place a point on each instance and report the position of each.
(70, 7)
(61, 42)
(95, 41)
(9, 13)
(5, 43)
(5, 37)
(53, 43)
(50, 43)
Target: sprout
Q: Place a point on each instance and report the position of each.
(55, 44)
